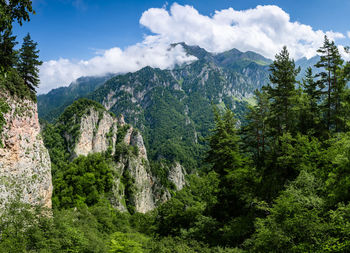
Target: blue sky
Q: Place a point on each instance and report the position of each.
(74, 29)
(78, 30)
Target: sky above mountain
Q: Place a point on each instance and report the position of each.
(84, 37)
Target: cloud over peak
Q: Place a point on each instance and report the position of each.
(264, 29)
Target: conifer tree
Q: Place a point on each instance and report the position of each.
(330, 63)
(28, 63)
(224, 144)
(8, 56)
(282, 93)
(311, 114)
(10, 11)
(254, 134)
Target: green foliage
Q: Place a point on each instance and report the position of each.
(14, 84)
(126, 243)
(70, 119)
(4, 108)
(295, 222)
(28, 65)
(187, 212)
(282, 93)
(84, 180)
(339, 168)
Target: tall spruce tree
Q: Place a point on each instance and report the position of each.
(10, 11)
(28, 63)
(224, 152)
(8, 55)
(254, 133)
(282, 94)
(310, 116)
(330, 63)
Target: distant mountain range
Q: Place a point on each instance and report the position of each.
(173, 108)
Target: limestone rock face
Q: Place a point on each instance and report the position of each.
(98, 131)
(25, 166)
(177, 176)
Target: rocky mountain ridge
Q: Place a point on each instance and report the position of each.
(91, 129)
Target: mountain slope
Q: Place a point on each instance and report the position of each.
(173, 108)
(52, 104)
(86, 134)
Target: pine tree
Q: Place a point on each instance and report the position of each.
(8, 56)
(10, 11)
(282, 93)
(310, 115)
(224, 144)
(330, 62)
(28, 64)
(254, 134)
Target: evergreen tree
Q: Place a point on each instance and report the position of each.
(224, 144)
(28, 64)
(330, 62)
(254, 134)
(310, 115)
(8, 56)
(282, 94)
(10, 11)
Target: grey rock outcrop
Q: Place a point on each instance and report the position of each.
(177, 176)
(25, 166)
(98, 133)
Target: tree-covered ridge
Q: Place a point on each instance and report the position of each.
(277, 182)
(52, 104)
(173, 108)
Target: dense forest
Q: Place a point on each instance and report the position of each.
(277, 183)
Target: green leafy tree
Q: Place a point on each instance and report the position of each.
(28, 63)
(14, 10)
(126, 243)
(295, 222)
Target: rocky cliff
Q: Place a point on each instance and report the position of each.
(25, 167)
(96, 130)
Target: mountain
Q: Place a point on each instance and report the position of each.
(173, 108)
(52, 104)
(304, 63)
(87, 133)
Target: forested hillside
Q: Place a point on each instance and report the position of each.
(267, 176)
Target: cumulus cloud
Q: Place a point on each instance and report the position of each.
(63, 71)
(264, 29)
(348, 33)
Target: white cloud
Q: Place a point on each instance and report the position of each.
(63, 71)
(348, 33)
(264, 29)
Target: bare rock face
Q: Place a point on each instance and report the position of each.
(177, 176)
(98, 132)
(25, 166)
(138, 167)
